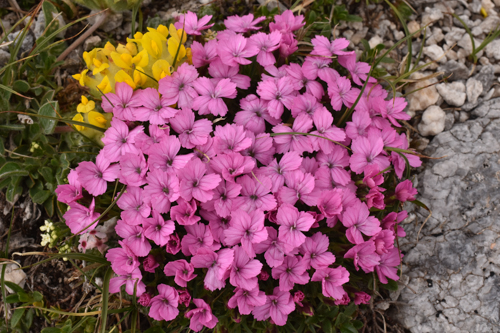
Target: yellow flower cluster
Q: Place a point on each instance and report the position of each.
(141, 63)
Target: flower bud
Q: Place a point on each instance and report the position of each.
(149, 264)
(145, 299)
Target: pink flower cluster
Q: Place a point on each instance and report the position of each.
(242, 199)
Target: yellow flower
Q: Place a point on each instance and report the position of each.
(105, 86)
(85, 106)
(484, 12)
(173, 49)
(152, 42)
(163, 30)
(99, 66)
(189, 55)
(97, 119)
(108, 48)
(161, 68)
(82, 77)
(122, 76)
(139, 77)
(176, 34)
(78, 117)
(141, 59)
(123, 60)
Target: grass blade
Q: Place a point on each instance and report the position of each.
(105, 299)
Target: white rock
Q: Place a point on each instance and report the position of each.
(431, 15)
(466, 44)
(477, 31)
(493, 49)
(348, 34)
(422, 99)
(15, 275)
(474, 89)
(374, 41)
(453, 93)
(4, 57)
(436, 37)
(91, 42)
(475, 6)
(484, 61)
(489, 24)
(454, 36)
(414, 26)
(112, 22)
(432, 121)
(489, 7)
(497, 3)
(435, 52)
(398, 35)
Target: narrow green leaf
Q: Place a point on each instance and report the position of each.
(14, 298)
(15, 287)
(420, 204)
(48, 109)
(12, 91)
(105, 299)
(12, 127)
(12, 169)
(16, 317)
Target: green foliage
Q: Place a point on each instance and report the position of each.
(22, 317)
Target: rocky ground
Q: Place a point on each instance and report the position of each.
(451, 264)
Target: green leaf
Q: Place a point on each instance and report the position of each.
(39, 196)
(2, 147)
(105, 298)
(350, 309)
(16, 317)
(21, 85)
(24, 297)
(48, 109)
(47, 173)
(12, 169)
(328, 327)
(4, 183)
(49, 206)
(12, 192)
(390, 285)
(348, 328)
(37, 296)
(154, 330)
(15, 287)
(47, 97)
(51, 330)
(35, 131)
(341, 319)
(12, 127)
(420, 204)
(14, 298)
(358, 324)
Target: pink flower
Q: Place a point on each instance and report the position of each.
(332, 280)
(361, 298)
(178, 88)
(149, 264)
(210, 99)
(367, 151)
(313, 88)
(299, 186)
(405, 191)
(190, 23)
(67, 193)
(79, 217)
(384, 241)
(218, 70)
(340, 93)
(276, 172)
(278, 306)
(134, 209)
(198, 236)
(156, 134)
(358, 70)
(330, 203)
(345, 300)
(261, 149)
(244, 270)
(162, 189)
(196, 184)
(246, 300)
(323, 46)
(123, 260)
(359, 125)
(184, 212)
(94, 177)
(134, 238)
(145, 299)
(279, 93)
(123, 103)
(235, 49)
(184, 297)
(130, 280)
(230, 138)
(164, 306)
(364, 256)
(292, 224)
(255, 194)
(394, 109)
(191, 132)
(266, 44)
(323, 120)
(298, 297)
(287, 22)
(118, 140)
(246, 229)
(218, 265)
(273, 247)
(358, 220)
(182, 270)
(164, 155)
(223, 198)
(204, 54)
(315, 251)
(388, 267)
(157, 229)
(201, 316)
(155, 110)
(254, 114)
(231, 165)
(173, 244)
(217, 224)
(392, 219)
(243, 23)
(290, 272)
(314, 66)
(399, 162)
(133, 169)
(294, 142)
(305, 104)
(372, 177)
(263, 276)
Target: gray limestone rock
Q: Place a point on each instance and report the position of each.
(27, 42)
(454, 267)
(486, 76)
(458, 71)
